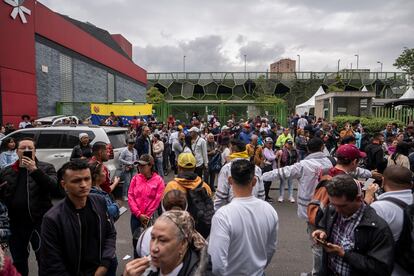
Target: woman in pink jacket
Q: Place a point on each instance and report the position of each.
(144, 195)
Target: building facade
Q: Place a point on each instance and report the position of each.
(47, 58)
(285, 65)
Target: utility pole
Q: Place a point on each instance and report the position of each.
(298, 63)
(184, 63)
(245, 64)
(339, 61)
(357, 56)
(381, 64)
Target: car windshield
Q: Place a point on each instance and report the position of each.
(117, 139)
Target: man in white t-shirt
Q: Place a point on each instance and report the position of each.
(241, 242)
(397, 186)
(302, 122)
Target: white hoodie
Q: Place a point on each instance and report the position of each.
(308, 172)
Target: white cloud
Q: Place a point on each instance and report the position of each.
(215, 34)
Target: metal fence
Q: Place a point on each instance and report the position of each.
(404, 114)
(183, 110)
(224, 110)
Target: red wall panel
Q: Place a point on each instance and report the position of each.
(123, 43)
(17, 55)
(15, 104)
(54, 27)
(17, 49)
(17, 81)
(17, 64)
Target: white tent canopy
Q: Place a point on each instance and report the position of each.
(409, 94)
(306, 106)
(364, 89)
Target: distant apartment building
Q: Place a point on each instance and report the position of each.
(285, 65)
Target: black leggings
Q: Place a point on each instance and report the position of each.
(267, 184)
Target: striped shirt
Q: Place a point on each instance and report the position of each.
(343, 235)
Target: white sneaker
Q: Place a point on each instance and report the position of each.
(291, 200)
(280, 199)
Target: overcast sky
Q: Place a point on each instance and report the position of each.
(214, 35)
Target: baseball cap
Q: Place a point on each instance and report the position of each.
(83, 134)
(217, 124)
(194, 129)
(180, 127)
(349, 151)
(130, 141)
(145, 159)
(289, 141)
(186, 160)
(225, 128)
(268, 140)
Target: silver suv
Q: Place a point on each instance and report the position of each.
(54, 144)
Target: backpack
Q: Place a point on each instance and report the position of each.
(214, 165)
(319, 201)
(404, 247)
(201, 208)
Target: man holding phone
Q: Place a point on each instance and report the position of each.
(28, 184)
(356, 241)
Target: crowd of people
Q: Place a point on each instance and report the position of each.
(216, 215)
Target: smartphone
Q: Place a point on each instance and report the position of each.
(28, 154)
(323, 242)
(367, 183)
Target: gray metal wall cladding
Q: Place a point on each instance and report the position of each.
(70, 79)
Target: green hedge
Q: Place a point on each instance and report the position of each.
(370, 124)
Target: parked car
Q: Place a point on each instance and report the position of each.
(57, 120)
(54, 144)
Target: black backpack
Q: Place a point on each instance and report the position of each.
(201, 207)
(404, 247)
(214, 165)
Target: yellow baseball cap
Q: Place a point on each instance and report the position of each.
(186, 160)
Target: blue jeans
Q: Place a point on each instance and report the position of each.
(127, 176)
(282, 187)
(159, 166)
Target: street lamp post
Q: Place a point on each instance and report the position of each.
(184, 63)
(245, 64)
(381, 64)
(339, 61)
(298, 63)
(357, 56)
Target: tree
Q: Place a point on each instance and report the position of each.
(338, 86)
(405, 61)
(154, 96)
